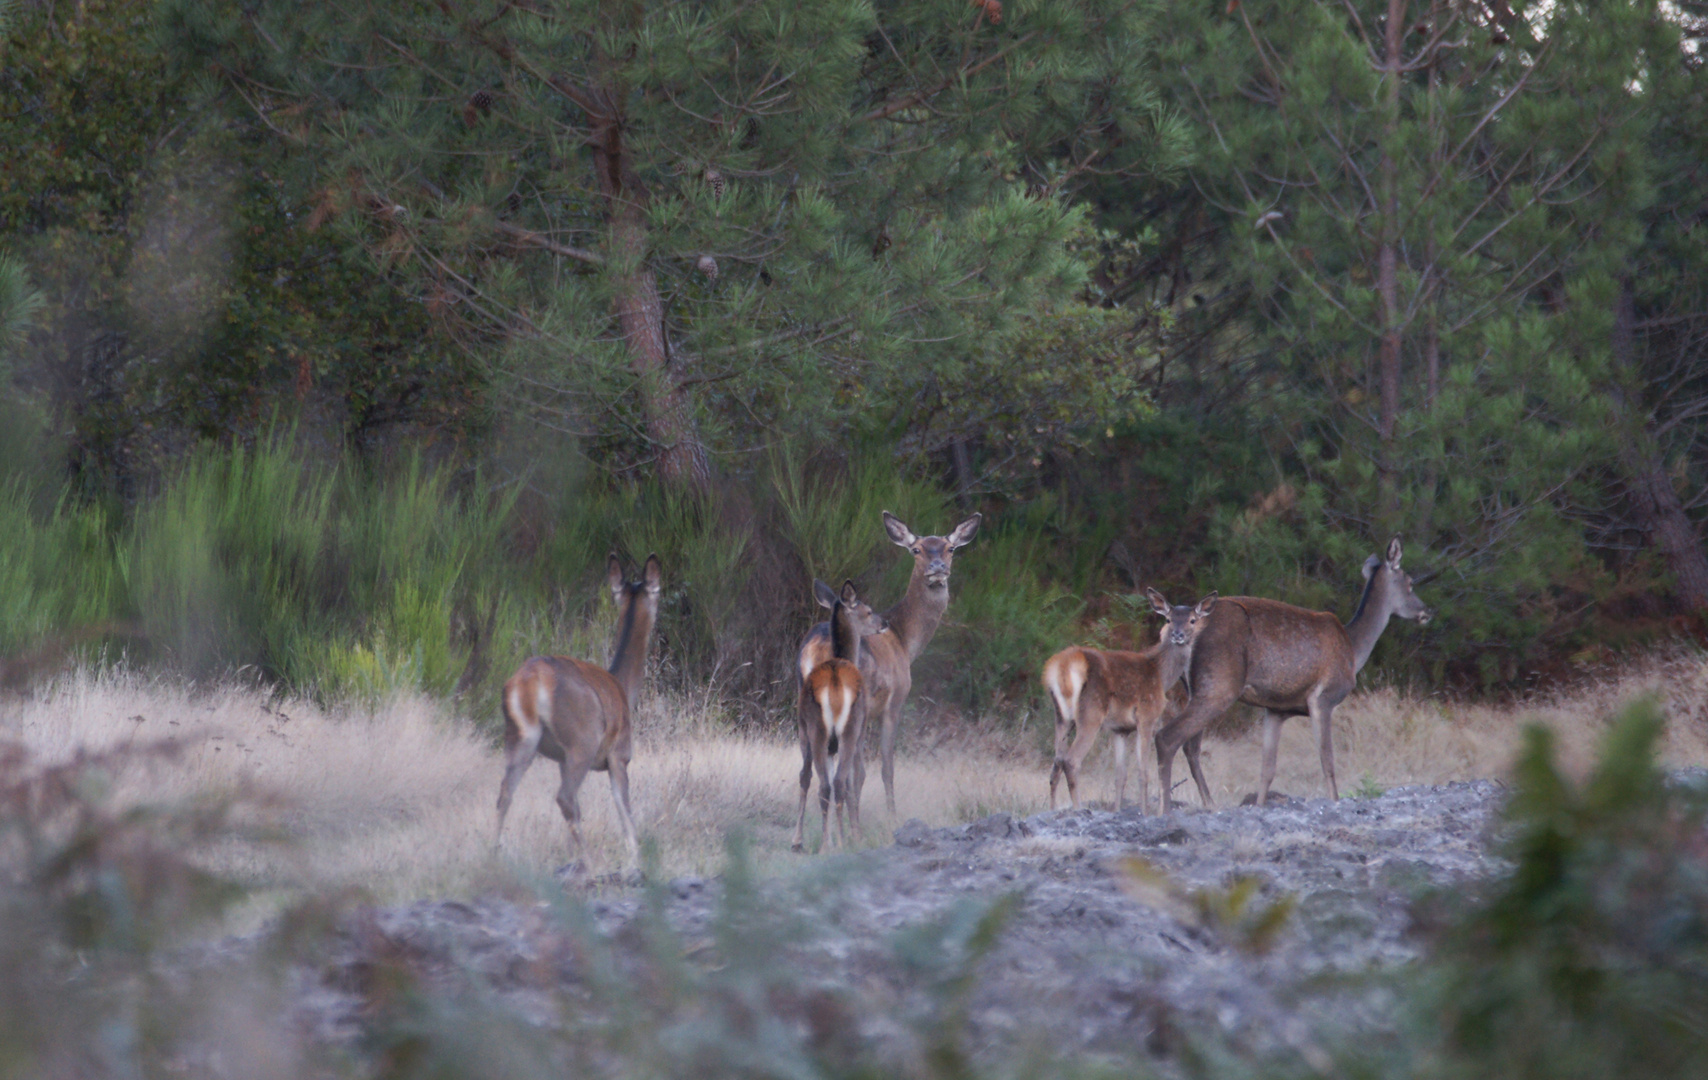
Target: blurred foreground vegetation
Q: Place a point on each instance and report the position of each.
(340, 341)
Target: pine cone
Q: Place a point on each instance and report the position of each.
(707, 266)
(479, 103)
(716, 179)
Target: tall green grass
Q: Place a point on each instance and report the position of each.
(57, 571)
(356, 583)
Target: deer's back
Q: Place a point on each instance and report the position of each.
(884, 662)
(1276, 653)
(1125, 678)
(573, 698)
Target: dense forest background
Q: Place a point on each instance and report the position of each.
(342, 341)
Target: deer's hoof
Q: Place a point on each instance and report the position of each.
(798, 848)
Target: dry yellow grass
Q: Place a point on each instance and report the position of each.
(1390, 739)
(399, 800)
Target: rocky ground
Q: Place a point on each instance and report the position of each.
(1123, 932)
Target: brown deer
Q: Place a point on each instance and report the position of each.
(887, 667)
(579, 714)
(832, 712)
(1125, 692)
(1287, 661)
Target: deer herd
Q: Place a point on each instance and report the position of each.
(1285, 660)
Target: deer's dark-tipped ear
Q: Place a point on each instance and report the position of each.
(824, 594)
(900, 534)
(1394, 553)
(965, 531)
(1370, 565)
(1206, 604)
(653, 576)
(614, 576)
(1159, 603)
(849, 595)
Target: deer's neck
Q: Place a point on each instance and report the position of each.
(915, 619)
(634, 636)
(1171, 665)
(1368, 621)
(1171, 662)
(844, 640)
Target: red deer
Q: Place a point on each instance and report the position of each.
(1287, 661)
(579, 714)
(832, 712)
(1125, 692)
(888, 666)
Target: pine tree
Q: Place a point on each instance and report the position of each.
(682, 227)
(1412, 178)
(1644, 298)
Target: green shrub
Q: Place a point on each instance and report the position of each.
(1591, 958)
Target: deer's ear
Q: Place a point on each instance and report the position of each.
(1370, 565)
(849, 595)
(900, 534)
(1394, 553)
(614, 577)
(965, 531)
(653, 575)
(1159, 603)
(824, 594)
(1205, 605)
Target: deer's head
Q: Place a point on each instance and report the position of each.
(1391, 587)
(645, 591)
(932, 555)
(866, 622)
(1185, 621)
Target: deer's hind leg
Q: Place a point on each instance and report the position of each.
(821, 762)
(847, 799)
(1090, 722)
(1059, 766)
(520, 746)
(807, 723)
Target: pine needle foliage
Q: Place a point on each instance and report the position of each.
(676, 226)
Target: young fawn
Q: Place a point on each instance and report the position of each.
(1125, 692)
(832, 712)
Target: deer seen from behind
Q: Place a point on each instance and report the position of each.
(1287, 661)
(579, 714)
(1125, 692)
(832, 713)
(887, 670)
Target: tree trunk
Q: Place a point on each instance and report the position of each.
(670, 423)
(1655, 504)
(1387, 270)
